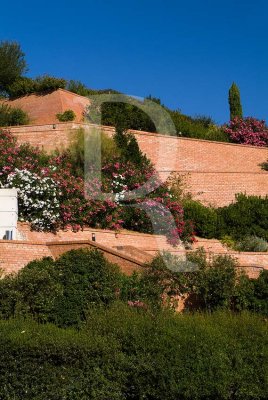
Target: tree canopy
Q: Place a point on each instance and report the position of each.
(12, 64)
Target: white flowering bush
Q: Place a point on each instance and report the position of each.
(38, 198)
(119, 187)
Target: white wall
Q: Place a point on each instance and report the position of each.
(8, 212)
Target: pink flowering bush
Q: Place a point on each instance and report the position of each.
(248, 131)
(154, 210)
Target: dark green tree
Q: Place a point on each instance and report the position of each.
(12, 64)
(234, 102)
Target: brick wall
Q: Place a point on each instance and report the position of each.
(14, 255)
(137, 245)
(42, 109)
(213, 172)
(111, 239)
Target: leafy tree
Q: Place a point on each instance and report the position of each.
(12, 64)
(234, 102)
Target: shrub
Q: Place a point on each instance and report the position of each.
(259, 300)
(248, 131)
(265, 166)
(22, 86)
(154, 209)
(61, 291)
(204, 218)
(126, 354)
(67, 115)
(38, 198)
(252, 243)
(214, 282)
(88, 280)
(248, 215)
(48, 83)
(12, 116)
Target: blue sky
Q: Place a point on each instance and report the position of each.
(188, 53)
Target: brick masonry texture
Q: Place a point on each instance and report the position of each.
(213, 172)
(129, 250)
(42, 109)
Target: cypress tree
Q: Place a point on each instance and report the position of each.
(234, 102)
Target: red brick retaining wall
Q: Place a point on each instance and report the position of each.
(214, 172)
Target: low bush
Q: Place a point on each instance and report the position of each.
(66, 116)
(264, 165)
(204, 218)
(123, 353)
(24, 86)
(12, 116)
(47, 83)
(248, 215)
(60, 291)
(251, 243)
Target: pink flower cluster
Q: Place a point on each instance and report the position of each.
(118, 178)
(249, 131)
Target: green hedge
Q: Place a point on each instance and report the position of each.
(126, 354)
(246, 216)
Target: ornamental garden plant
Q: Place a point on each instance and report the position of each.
(52, 190)
(247, 131)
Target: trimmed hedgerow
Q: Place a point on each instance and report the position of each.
(124, 354)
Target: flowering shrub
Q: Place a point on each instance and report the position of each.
(248, 131)
(52, 193)
(38, 198)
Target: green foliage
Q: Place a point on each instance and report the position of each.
(77, 87)
(66, 116)
(228, 241)
(248, 215)
(214, 283)
(22, 87)
(109, 149)
(48, 83)
(129, 148)
(126, 116)
(87, 279)
(234, 102)
(258, 302)
(12, 64)
(252, 243)
(125, 354)
(60, 291)
(204, 218)
(12, 116)
(265, 166)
